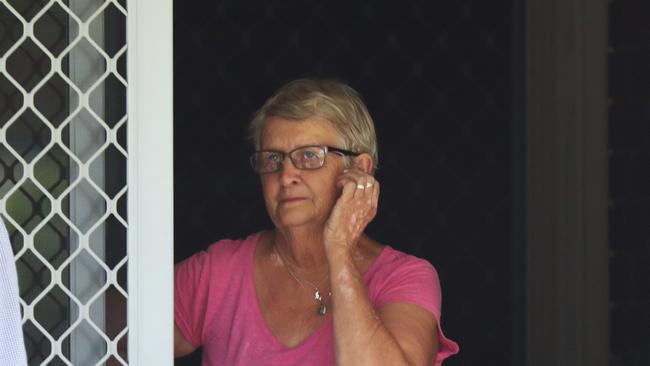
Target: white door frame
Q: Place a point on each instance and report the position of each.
(150, 181)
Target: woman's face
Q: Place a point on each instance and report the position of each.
(297, 197)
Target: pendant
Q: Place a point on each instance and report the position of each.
(322, 309)
(317, 296)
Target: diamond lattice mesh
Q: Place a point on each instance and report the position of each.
(63, 174)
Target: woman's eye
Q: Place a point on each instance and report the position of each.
(309, 155)
(274, 157)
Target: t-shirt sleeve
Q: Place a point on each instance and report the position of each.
(191, 293)
(415, 281)
(412, 280)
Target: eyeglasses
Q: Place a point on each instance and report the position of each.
(304, 157)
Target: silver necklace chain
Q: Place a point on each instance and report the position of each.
(322, 307)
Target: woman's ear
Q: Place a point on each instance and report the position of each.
(364, 162)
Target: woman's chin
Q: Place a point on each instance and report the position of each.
(295, 220)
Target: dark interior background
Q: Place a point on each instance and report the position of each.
(629, 181)
(444, 82)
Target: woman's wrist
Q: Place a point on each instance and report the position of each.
(337, 251)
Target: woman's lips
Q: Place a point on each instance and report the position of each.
(292, 199)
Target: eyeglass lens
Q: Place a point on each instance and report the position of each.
(308, 157)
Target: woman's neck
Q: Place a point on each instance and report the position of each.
(302, 247)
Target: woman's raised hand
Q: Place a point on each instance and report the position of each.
(354, 210)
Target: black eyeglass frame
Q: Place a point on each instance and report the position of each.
(283, 156)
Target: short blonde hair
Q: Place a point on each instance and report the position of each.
(329, 100)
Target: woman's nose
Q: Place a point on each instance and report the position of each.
(289, 174)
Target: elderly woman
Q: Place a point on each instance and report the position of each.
(315, 290)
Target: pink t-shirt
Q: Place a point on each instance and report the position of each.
(215, 306)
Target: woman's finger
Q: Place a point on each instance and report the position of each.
(374, 199)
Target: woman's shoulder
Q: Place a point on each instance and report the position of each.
(233, 246)
(396, 268)
(224, 252)
(390, 260)
(402, 258)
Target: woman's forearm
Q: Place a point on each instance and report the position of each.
(360, 338)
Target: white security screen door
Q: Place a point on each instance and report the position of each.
(68, 143)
